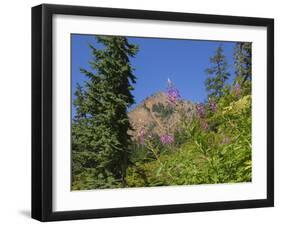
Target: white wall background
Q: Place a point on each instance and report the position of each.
(15, 113)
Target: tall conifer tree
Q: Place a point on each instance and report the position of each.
(243, 62)
(99, 136)
(218, 74)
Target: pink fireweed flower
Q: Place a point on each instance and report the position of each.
(167, 139)
(173, 94)
(213, 106)
(201, 111)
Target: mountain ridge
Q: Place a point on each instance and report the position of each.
(156, 116)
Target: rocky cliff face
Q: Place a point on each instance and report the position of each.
(155, 115)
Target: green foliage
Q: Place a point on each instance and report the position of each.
(212, 147)
(100, 143)
(218, 74)
(91, 178)
(243, 65)
(141, 153)
(220, 154)
(243, 61)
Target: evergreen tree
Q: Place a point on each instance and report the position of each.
(243, 62)
(100, 140)
(218, 74)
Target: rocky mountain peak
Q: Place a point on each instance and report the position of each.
(155, 115)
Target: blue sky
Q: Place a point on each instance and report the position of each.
(183, 61)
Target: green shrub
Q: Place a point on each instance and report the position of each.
(220, 153)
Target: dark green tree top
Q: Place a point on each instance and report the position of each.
(217, 74)
(101, 122)
(243, 62)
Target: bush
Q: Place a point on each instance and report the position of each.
(217, 152)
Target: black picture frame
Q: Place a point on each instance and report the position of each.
(42, 111)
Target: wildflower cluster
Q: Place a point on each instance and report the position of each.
(173, 94)
(213, 105)
(202, 113)
(201, 110)
(167, 139)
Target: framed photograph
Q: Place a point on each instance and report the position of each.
(145, 112)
